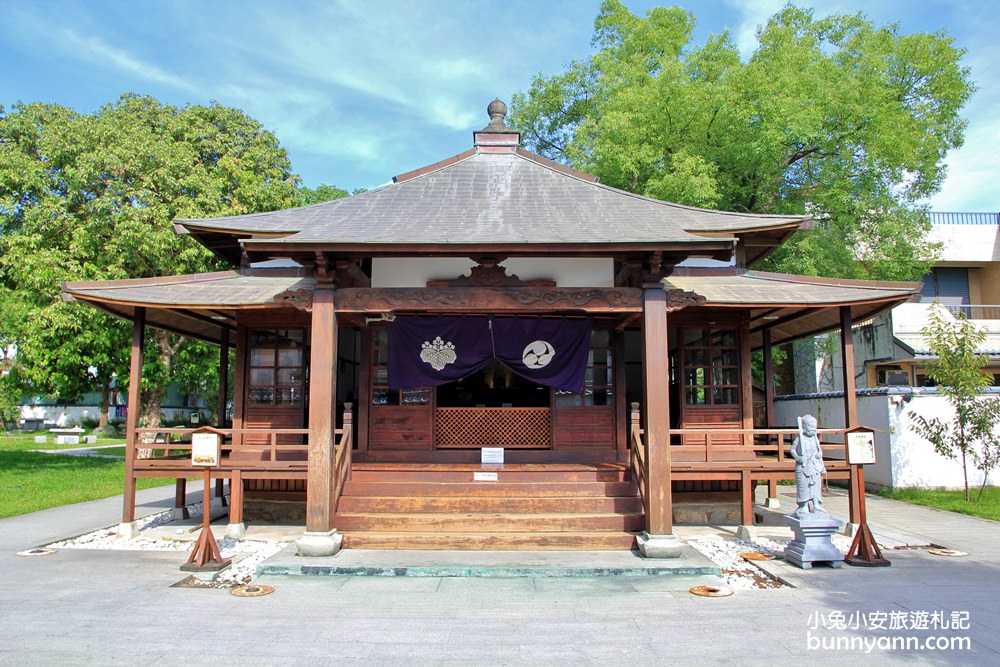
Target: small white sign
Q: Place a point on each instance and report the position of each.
(492, 455)
(485, 477)
(205, 449)
(861, 448)
(41, 439)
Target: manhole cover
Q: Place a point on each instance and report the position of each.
(711, 591)
(756, 555)
(947, 552)
(36, 552)
(252, 591)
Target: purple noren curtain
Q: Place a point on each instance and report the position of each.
(428, 351)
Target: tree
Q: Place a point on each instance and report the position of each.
(320, 194)
(834, 117)
(971, 434)
(91, 197)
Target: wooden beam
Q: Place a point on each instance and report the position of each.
(132, 421)
(489, 299)
(656, 405)
(322, 408)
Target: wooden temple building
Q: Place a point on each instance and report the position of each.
(495, 299)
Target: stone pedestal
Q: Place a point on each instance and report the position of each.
(659, 546)
(813, 541)
(772, 503)
(128, 531)
(318, 545)
(236, 531)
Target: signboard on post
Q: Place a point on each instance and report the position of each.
(205, 449)
(860, 446)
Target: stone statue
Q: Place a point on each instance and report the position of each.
(809, 470)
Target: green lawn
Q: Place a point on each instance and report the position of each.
(32, 481)
(25, 441)
(988, 507)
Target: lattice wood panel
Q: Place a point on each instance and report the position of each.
(515, 428)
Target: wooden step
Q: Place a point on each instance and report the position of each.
(503, 475)
(492, 523)
(590, 541)
(416, 489)
(530, 506)
(488, 504)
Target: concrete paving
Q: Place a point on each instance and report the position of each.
(115, 607)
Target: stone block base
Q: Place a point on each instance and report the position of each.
(319, 545)
(236, 531)
(659, 546)
(128, 531)
(813, 541)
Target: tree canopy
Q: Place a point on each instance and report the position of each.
(834, 117)
(92, 197)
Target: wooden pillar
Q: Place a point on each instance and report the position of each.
(622, 425)
(322, 406)
(220, 421)
(364, 393)
(772, 484)
(850, 405)
(656, 405)
(132, 421)
(239, 381)
(220, 410)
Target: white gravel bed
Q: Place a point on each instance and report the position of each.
(247, 553)
(741, 574)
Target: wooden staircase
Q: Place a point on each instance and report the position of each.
(529, 507)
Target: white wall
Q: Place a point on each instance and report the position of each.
(904, 459)
(565, 271)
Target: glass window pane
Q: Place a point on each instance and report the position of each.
(695, 396)
(290, 376)
(725, 396)
(725, 337)
(262, 357)
(261, 377)
(600, 338)
(693, 337)
(695, 357)
(290, 357)
(724, 357)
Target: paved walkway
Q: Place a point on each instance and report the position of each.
(104, 607)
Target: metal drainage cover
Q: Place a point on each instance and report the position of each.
(252, 591)
(36, 552)
(710, 591)
(947, 552)
(756, 555)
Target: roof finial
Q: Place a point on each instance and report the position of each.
(497, 111)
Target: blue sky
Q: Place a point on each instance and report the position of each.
(358, 91)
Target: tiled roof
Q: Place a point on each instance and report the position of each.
(776, 289)
(493, 198)
(224, 289)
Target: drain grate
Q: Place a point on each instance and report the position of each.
(947, 552)
(710, 591)
(252, 590)
(36, 552)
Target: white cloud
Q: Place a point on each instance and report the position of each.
(97, 51)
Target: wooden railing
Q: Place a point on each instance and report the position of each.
(164, 439)
(638, 456)
(342, 460)
(763, 444)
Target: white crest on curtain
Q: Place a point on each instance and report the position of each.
(438, 353)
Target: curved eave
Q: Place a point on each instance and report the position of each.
(792, 307)
(201, 306)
